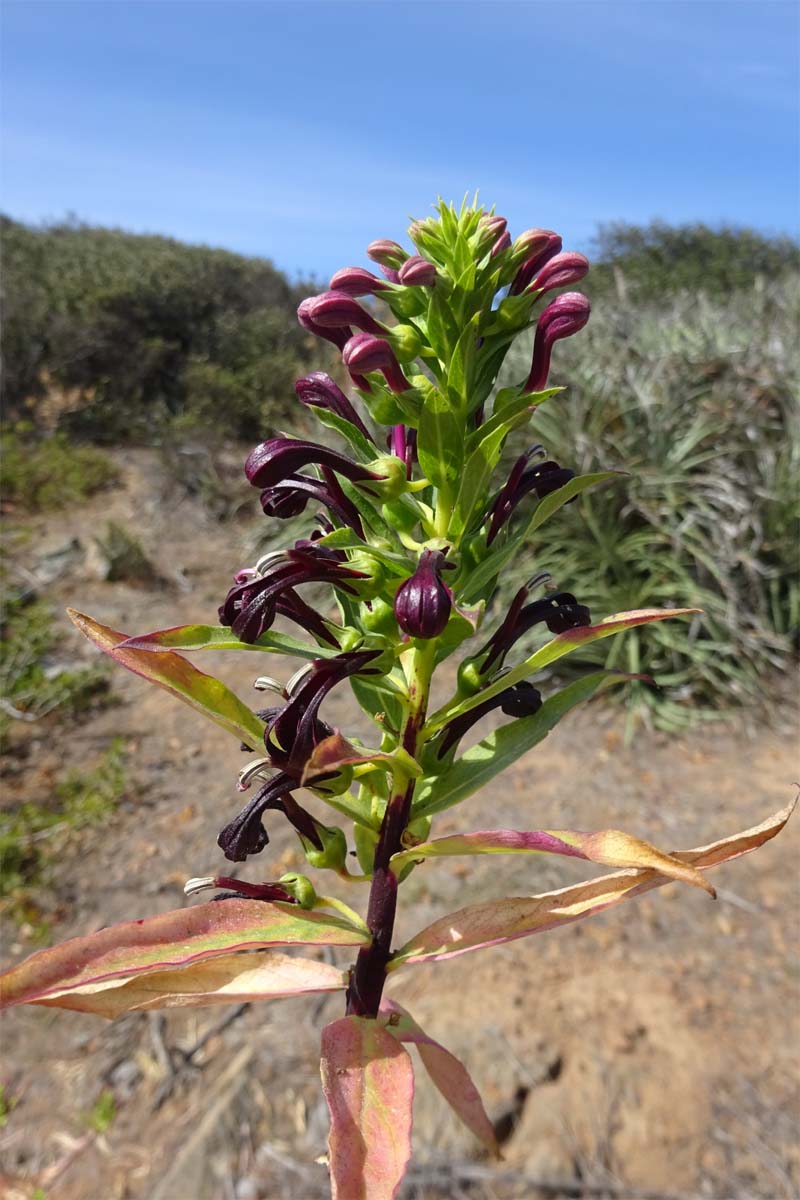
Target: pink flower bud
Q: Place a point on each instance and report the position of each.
(365, 353)
(387, 253)
(542, 245)
(560, 271)
(355, 281)
(416, 271)
(422, 604)
(332, 310)
(563, 316)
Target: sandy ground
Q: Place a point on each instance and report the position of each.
(651, 1051)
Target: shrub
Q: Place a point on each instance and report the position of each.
(53, 473)
(695, 400)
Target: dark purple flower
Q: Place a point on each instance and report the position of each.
(318, 390)
(355, 281)
(365, 353)
(563, 316)
(559, 611)
(337, 310)
(521, 700)
(542, 479)
(416, 271)
(560, 271)
(422, 604)
(291, 496)
(338, 335)
(293, 607)
(294, 733)
(541, 246)
(245, 834)
(279, 458)
(402, 443)
(249, 608)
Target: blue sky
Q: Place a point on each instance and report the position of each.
(303, 130)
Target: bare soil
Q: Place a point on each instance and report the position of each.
(651, 1051)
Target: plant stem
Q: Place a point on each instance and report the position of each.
(369, 974)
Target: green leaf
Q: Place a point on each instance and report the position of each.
(461, 372)
(561, 496)
(170, 671)
(504, 746)
(219, 637)
(170, 940)
(563, 643)
(440, 443)
(364, 450)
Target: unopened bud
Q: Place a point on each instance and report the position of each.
(416, 271)
(387, 253)
(355, 281)
(561, 271)
(422, 604)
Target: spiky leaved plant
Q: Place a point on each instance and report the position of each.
(413, 533)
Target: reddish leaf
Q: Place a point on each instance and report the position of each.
(335, 752)
(173, 939)
(176, 675)
(447, 1072)
(499, 921)
(254, 975)
(368, 1083)
(610, 847)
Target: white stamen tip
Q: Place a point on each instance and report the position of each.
(200, 884)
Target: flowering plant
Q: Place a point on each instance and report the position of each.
(414, 529)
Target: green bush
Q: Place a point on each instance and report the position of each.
(696, 400)
(126, 332)
(38, 474)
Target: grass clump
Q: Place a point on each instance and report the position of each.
(31, 686)
(125, 558)
(37, 475)
(697, 403)
(80, 800)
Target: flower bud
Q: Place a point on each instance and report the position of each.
(422, 604)
(301, 888)
(333, 854)
(560, 271)
(416, 271)
(364, 353)
(543, 248)
(387, 253)
(333, 310)
(564, 316)
(502, 243)
(355, 281)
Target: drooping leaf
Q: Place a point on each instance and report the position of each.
(497, 921)
(368, 1083)
(257, 975)
(563, 643)
(220, 637)
(609, 847)
(335, 752)
(170, 671)
(504, 746)
(447, 1073)
(561, 496)
(173, 939)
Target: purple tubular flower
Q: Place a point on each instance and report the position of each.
(422, 604)
(494, 226)
(245, 834)
(521, 700)
(250, 608)
(291, 737)
(318, 390)
(559, 611)
(402, 443)
(416, 271)
(279, 458)
(542, 479)
(390, 274)
(355, 281)
(337, 336)
(541, 245)
(337, 310)
(502, 243)
(290, 605)
(291, 496)
(560, 271)
(365, 353)
(387, 253)
(563, 316)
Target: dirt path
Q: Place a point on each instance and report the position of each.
(654, 1047)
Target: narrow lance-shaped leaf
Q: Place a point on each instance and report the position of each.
(498, 921)
(504, 746)
(563, 643)
(609, 847)
(220, 637)
(232, 979)
(173, 939)
(447, 1073)
(335, 752)
(368, 1083)
(173, 673)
